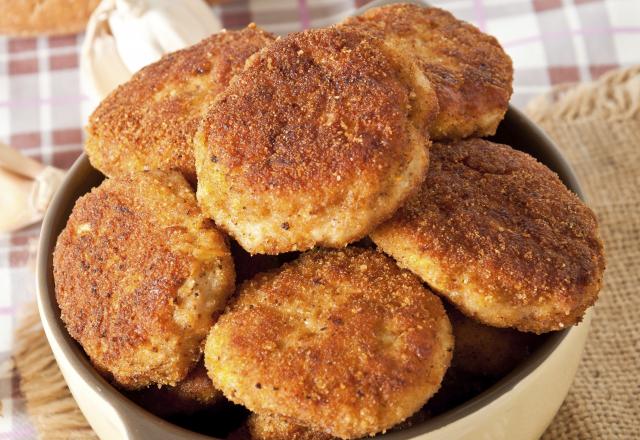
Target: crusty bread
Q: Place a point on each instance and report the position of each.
(44, 17)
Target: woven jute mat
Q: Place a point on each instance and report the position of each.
(597, 126)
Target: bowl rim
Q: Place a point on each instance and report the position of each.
(82, 177)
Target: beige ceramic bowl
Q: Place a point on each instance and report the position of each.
(520, 406)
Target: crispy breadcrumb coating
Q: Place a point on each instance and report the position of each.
(470, 72)
(313, 144)
(140, 275)
(150, 121)
(343, 342)
(499, 235)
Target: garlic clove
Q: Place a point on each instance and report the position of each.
(140, 47)
(26, 189)
(24, 200)
(101, 68)
(16, 162)
(43, 189)
(14, 197)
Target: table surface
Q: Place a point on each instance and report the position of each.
(43, 109)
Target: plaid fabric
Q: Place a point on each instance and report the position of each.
(42, 109)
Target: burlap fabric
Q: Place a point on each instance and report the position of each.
(598, 128)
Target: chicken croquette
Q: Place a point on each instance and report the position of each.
(313, 144)
(271, 427)
(483, 355)
(471, 73)
(342, 341)
(487, 351)
(194, 393)
(197, 387)
(149, 122)
(140, 275)
(268, 427)
(499, 235)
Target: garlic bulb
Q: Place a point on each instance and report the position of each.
(125, 35)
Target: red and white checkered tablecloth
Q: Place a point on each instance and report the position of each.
(42, 108)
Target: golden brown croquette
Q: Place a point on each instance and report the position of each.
(192, 394)
(343, 342)
(313, 144)
(499, 235)
(469, 70)
(140, 275)
(269, 427)
(487, 351)
(149, 122)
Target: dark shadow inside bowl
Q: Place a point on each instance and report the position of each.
(515, 130)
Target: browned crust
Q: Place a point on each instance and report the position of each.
(342, 341)
(149, 122)
(269, 427)
(311, 111)
(194, 393)
(486, 351)
(493, 226)
(197, 387)
(49, 17)
(274, 427)
(127, 249)
(471, 73)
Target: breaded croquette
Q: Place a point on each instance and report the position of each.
(343, 342)
(313, 144)
(140, 275)
(471, 73)
(499, 235)
(194, 393)
(266, 427)
(487, 351)
(149, 122)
